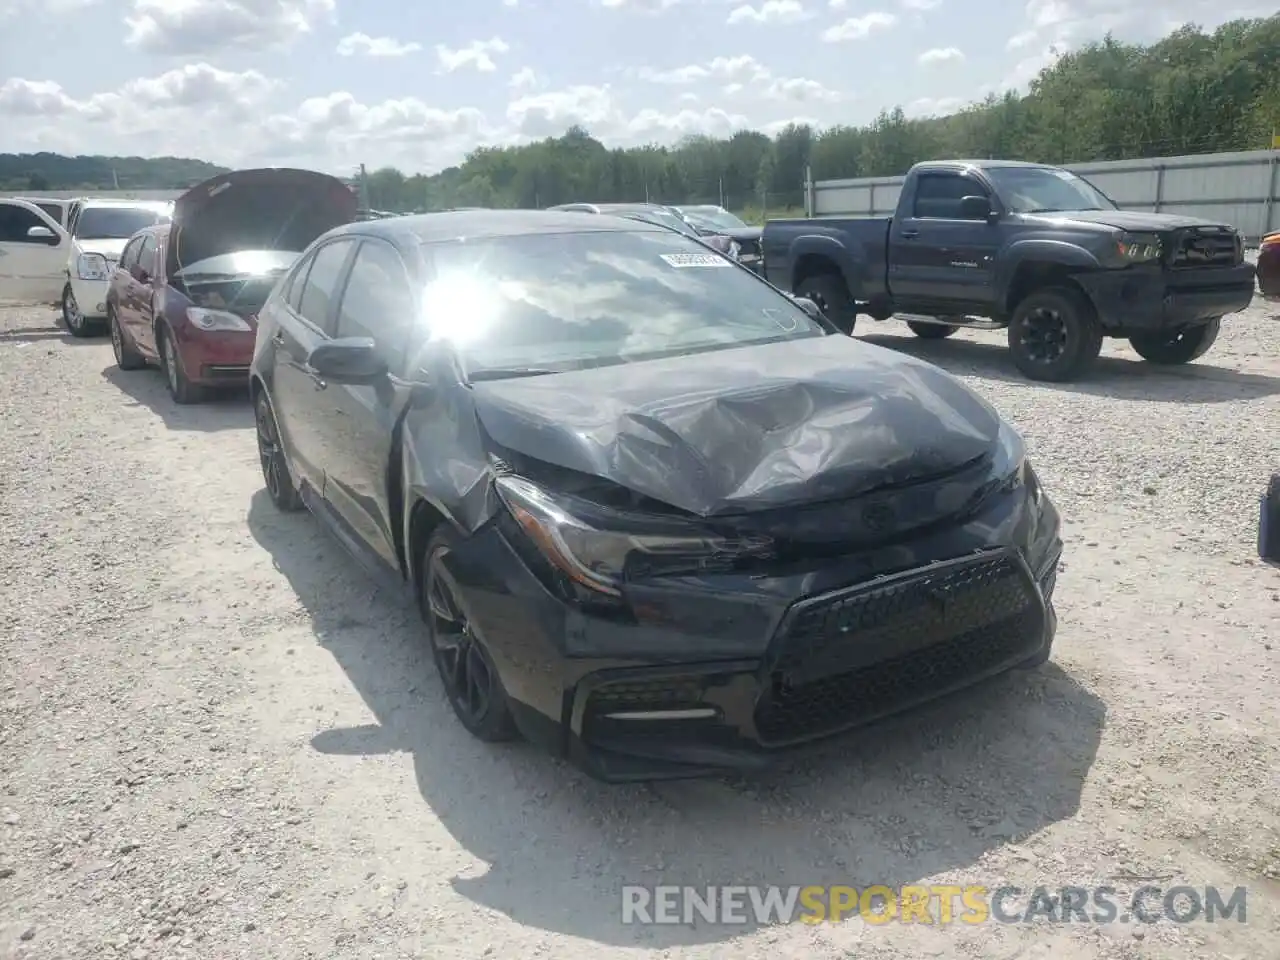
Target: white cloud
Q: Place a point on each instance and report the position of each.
(933, 106)
(742, 69)
(771, 11)
(800, 90)
(641, 6)
(942, 55)
(523, 79)
(361, 44)
(188, 27)
(476, 54)
(859, 28)
(598, 110)
(921, 4)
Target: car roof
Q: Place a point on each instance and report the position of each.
(487, 224)
(133, 204)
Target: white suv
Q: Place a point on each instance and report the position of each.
(99, 231)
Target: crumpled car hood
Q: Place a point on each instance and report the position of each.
(747, 429)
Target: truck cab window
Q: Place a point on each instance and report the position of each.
(938, 195)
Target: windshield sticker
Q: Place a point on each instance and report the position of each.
(683, 260)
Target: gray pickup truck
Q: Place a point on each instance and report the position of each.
(1035, 249)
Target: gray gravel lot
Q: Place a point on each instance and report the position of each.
(219, 740)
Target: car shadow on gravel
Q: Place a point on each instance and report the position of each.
(897, 803)
(25, 336)
(223, 410)
(1114, 377)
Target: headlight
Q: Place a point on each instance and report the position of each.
(207, 319)
(1140, 247)
(92, 266)
(735, 250)
(599, 558)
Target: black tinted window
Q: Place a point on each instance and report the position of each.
(296, 284)
(322, 283)
(938, 195)
(114, 223)
(378, 301)
(54, 210)
(15, 221)
(597, 298)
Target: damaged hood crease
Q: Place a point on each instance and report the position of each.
(752, 429)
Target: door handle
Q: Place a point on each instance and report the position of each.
(909, 234)
(318, 381)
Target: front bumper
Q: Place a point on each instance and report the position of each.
(1142, 299)
(1269, 272)
(91, 296)
(721, 673)
(216, 357)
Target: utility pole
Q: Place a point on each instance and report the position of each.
(722, 191)
(364, 189)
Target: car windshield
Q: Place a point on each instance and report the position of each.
(663, 219)
(1046, 190)
(241, 263)
(716, 218)
(542, 303)
(115, 223)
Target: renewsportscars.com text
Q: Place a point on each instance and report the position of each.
(935, 904)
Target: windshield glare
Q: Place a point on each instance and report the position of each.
(115, 223)
(1046, 189)
(568, 301)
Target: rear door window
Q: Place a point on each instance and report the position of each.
(129, 256)
(320, 292)
(147, 254)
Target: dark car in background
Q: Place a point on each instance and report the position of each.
(186, 294)
(670, 218)
(658, 516)
(712, 219)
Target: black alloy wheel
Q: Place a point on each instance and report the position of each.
(275, 468)
(1054, 334)
(467, 671)
(829, 292)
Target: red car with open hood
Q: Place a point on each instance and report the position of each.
(185, 295)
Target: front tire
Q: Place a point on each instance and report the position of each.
(931, 331)
(127, 355)
(72, 317)
(275, 465)
(829, 292)
(181, 389)
(1054, 335)
(466, 670)
(1172, 348)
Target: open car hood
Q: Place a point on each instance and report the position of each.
(263, 209)
(748, 429)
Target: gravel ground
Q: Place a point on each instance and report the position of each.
(217, 739)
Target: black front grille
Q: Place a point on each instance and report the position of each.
(1205, 247)
(859, 654)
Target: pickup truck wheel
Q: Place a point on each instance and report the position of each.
(931, 331)
(1176, 347)
(832, 297)
(1054, 334)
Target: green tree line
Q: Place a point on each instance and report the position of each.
(1191, 92)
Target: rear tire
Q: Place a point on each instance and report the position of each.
(127, 355)
(829, 292)
(1172, 348)
(1054, 334)
(931, 331)
(275, 464)
(181, 389)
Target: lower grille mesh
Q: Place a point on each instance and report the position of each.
(858, 655)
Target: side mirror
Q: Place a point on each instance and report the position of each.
(43, 235)
(139, 273)
(975, 208)
(809, 307)
(348, 360)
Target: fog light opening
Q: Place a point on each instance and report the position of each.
(699, 713)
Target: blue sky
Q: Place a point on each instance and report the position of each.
(332, 83)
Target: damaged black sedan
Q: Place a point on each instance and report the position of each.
(658, 516)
